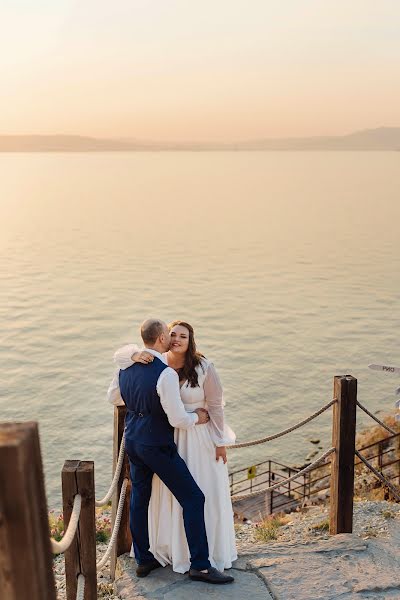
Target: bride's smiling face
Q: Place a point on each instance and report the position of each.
(179, 339)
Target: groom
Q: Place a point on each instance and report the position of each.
(154, 408)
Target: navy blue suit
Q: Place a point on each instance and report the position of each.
(149, 442)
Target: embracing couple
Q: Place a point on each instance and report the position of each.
(175, 437)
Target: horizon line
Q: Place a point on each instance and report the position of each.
(132, 139)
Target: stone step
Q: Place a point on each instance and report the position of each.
(343, 567)
(164, 584)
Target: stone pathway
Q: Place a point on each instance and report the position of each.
(343, 567)
(164, 584)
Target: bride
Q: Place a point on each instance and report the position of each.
(203, 450)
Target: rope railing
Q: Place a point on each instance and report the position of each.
(284, 481)
(80, 590)
(381, 423)
(21, 441)
(61, 546)
(285, 431)
(117, 473)
(117, 523)
(64, 544)
(379, 475)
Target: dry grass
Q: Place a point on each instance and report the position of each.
(322, 526)
(371, 532)
(267, 529)
(105, 591)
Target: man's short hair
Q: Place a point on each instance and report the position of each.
(151, 330)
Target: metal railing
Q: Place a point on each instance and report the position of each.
(294, 493)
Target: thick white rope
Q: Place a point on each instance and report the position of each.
(117, 523)
(80, 589)
(64, 544)
(376, 418)
(117, 473)
(281, 433)
(283, 481)
(379, 476)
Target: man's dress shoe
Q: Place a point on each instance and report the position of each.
(144, 570)
(212, 576)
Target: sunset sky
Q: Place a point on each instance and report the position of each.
(198, 69)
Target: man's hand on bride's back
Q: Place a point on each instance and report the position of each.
(142, 357)
(203, 415)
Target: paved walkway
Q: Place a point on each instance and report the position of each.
(343, 567)
(164, 584)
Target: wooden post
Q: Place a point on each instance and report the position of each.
(124, 539)
(342, 464)
(78, 478)
(25, 552)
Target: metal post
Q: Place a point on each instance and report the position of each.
(380, 458)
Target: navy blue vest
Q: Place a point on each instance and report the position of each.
(146, 422)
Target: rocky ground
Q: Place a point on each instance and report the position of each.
(371, 519)
(105, 587)
(289, 557)
(301, 554)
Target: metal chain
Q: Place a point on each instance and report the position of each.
(379, 476)
(295, 476)
(117, 523)
(117, 473)
(64, 544)
(281, 433)
(375, 418)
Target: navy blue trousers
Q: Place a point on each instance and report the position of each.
(172, 470)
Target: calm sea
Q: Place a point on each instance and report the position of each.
(287, 265)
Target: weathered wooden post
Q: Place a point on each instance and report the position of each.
(25, 552)
(124, 539)
(342, 464)
(78, 478)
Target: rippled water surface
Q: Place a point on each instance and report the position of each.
(287, 264)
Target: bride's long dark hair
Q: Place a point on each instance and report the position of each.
(193, 358)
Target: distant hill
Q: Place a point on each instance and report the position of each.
(382, 138)
(58, 143)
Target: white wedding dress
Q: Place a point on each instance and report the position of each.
(197, 448)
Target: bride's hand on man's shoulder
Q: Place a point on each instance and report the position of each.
(142, 357)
